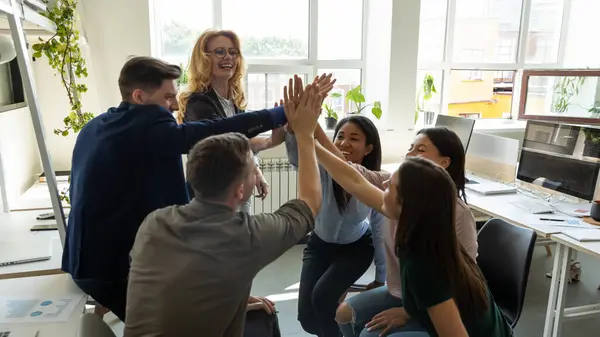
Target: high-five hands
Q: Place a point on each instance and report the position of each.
(303, 115)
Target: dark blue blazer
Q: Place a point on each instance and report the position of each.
(127, 163)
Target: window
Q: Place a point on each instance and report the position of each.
(269, 33)
(11, 86)
(346, 79)
(481, 24)
(275, 43)
(266, 89)
(487, 43)
(340, 26)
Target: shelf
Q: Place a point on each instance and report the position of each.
(33, 20)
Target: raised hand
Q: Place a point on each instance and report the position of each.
(304, 115)
(324, 83)
(293, 90)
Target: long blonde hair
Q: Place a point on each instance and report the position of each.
(200, 67)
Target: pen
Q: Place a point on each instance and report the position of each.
(546, 219)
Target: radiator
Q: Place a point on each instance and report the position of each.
(283, 181)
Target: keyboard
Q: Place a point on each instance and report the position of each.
(532, 206)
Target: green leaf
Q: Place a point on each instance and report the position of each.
(334, 115)
(335, 95)
(376, 110)
(355, 95)
(65, 133)
(37, 54)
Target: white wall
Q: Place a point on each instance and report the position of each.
(18, 152)
(114, 29)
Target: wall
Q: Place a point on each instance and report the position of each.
(114, 29)
(18, 153)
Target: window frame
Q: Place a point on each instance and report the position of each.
(309, 66)
(448, 64)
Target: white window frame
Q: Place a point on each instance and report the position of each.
(448, 64)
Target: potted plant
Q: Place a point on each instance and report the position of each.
(425, 93)
(332, 117)
(64, 56)
(356, 96)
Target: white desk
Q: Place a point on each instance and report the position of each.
(46, 286)
(556, 313)
(15, 227)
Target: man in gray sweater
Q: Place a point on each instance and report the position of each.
(192, 266)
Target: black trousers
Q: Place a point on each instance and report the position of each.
(111, 294)
(328, 270)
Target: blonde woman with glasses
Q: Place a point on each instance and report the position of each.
(215, 91)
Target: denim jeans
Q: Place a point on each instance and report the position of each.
(370, 303)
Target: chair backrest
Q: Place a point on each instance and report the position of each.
(91, 325)
(504, 258)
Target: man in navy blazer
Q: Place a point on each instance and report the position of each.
(127, 163)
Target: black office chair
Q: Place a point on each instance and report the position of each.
(504, 258)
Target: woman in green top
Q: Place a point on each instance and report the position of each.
(443, 290)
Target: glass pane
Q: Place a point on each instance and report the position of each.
(179, 29)
(582, 24)
(568, 96)
(266, 28)
(256, 91)
(426, 104)
(432, 30)
(263, 90)
(346, 80)
(487, 30)
(340, 29)
(480, 93)
(545, 23)
(275, 84)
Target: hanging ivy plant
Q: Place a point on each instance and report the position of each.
(64, 56)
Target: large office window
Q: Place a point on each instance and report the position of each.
(279, 39)
(477, 49)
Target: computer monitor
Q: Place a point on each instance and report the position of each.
(463, 127)
(552, 156)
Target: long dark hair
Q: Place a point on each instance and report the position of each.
(449, 145)
(371, 161)
(426, 228)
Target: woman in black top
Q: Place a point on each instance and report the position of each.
(215, 91)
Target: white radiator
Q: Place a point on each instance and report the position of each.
(283, 180)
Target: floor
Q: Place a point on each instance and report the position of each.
(279, 281)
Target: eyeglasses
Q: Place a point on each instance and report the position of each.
(222, 52)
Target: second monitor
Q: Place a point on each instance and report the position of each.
(463, 127)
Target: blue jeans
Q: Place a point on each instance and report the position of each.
(370, 303)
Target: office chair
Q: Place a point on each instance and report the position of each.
(91, 325)
(504, 258)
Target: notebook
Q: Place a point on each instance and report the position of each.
(583, 235)
(491, 188)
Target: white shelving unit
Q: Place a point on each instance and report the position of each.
(23, 15)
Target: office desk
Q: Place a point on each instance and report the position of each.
(46, 286)
(556, 313)
(14, 227)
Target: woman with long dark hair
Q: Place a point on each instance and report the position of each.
(340, 249)
(443, 291)
(377, 309)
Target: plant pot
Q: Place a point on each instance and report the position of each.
(591, 149)
(330, 123)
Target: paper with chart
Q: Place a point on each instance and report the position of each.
(23, 310)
